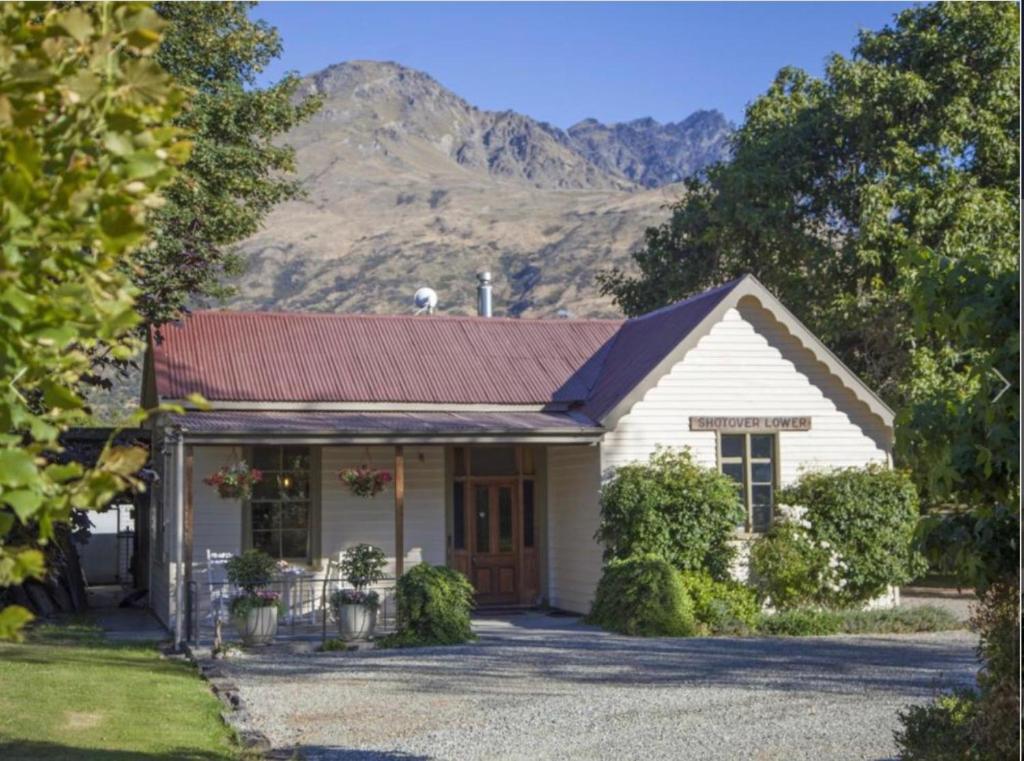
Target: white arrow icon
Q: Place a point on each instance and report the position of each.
(1004, 389)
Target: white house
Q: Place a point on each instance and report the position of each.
(499, 432)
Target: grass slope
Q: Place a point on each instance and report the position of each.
(68, 694)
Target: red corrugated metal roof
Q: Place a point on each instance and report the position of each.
(301, 357)
(296, 357)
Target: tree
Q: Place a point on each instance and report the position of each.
(238, 169)
(85, 114)
(882, 203)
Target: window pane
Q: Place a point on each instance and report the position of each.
(459, 517)
(293, 485)
(460, 461)
(266, 458)
(528, 518)
(483, 519)
(493, 461)
(734, 470)
(504, 519)
(761, 472)
(733, 445)
(761, 445)
(761, 494)
(295, 515)
(266, 489)
(295, 458)
(266, 541)
(293, 543)
(762, 518)
(263, 516)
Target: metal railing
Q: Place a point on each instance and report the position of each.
(305, 599)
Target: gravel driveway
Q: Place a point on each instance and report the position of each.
(540, 687)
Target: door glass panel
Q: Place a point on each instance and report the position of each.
(459, 455)
(504, 519)
(459, 517)
(732, 445)
(493, 461)
(482, 506)
(528, 519)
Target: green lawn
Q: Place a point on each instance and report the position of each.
(68, 694)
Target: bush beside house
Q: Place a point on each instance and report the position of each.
(667, 526)
(643, 596)
(850, 540)
(434, 603)
(674, 508)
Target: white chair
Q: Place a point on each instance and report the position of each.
(220, 591)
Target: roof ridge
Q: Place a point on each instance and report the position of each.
(728, 285)
(285, 314)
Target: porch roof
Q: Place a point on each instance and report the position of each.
(389, 427)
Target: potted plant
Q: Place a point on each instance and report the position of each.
(235, 481)
(365, 481)
(355, 609)
(254, 610)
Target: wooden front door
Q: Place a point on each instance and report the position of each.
(494, 518)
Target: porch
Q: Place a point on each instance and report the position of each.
(498, 508)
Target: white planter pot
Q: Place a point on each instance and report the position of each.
(356, 621)
(258, 626)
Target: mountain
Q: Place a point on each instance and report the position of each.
(410, 185)
(653, 154)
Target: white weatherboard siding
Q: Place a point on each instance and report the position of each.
(347, 520)
(749, 365)
(216, 522)
(574, 558)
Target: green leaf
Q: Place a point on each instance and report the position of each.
(13, 619)
(17, 468)
(23, 502)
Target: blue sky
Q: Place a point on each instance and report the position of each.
(562, 62)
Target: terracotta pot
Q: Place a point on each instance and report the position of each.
(356, 621)
(258, 626)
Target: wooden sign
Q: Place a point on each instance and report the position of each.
(749, 424)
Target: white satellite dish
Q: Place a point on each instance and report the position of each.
(425, 300)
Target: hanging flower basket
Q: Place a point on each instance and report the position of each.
(365, 481)
(235, 481)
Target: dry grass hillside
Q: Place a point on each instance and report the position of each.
(409, 185)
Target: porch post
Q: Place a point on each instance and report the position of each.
(399, 510)
(191, 605)
(178, 500)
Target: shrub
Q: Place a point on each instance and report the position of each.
(251, 570)
(810, 622)
(788, 569)
(722, 607)
(867, 517)
(940, 731)
(801, 622)
(363, 565)
(926, 618)
(996, 726)
(434, 603)
(672, 507)
(642, 596)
